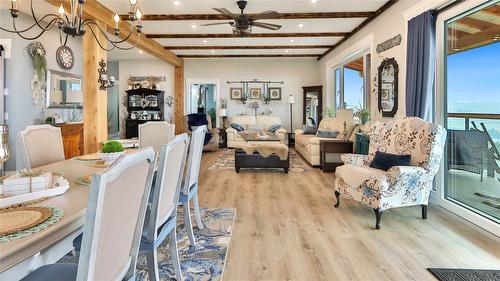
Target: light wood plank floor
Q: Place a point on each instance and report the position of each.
(287, 229)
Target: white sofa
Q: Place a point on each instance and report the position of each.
(308, 145)
(252, 122)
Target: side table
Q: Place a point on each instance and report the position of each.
(223, 138)
(291, 139)
(330, 151)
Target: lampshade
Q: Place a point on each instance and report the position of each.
(291, 99)
(223, 112)
(255, 104)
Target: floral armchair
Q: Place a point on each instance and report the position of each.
(400, 186)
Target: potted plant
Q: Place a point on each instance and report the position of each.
(362, 113)
(110, 151)
(328, 112)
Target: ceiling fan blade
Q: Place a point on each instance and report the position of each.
(266, 25)
(226, 12)
(217, 23)
(266, 15)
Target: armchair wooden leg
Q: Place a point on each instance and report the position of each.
(337, 196)
(378, 214)
(424, 212)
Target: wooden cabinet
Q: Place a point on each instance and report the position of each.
(72, 136)
(362, 143)
(143, 105)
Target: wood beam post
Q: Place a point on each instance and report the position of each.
(95, 111)
(179, 99)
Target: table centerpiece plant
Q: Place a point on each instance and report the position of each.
(110, 151)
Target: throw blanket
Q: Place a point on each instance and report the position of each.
(199, 119)
(267, 149)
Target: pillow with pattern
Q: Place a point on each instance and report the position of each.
(237, 127)
(274, 128)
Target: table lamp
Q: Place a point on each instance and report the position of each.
(223, 115)
(255, 105)
(291, 101)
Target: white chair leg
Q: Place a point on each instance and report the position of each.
(189, 224)
(197, 214)
(154, 275)
(174, 252)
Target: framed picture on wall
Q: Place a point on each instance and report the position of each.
(236, 93)
(275, 93)
(255, 93)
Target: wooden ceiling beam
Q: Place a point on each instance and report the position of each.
(96, 11)
(285, 16)
(247, 47)
(250, 56)
(474, 23)
(230, 35)
(382, 9)
(475, 40)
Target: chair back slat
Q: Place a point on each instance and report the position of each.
(42, 145)
(168, 183)
(194, 158)
(155, 134)
(115, 217)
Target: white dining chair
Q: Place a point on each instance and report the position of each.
(155, 134)
(42, 145)
(161, 217)
(190, 183)
(114, 222)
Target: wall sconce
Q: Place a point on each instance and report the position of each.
(105, 80)
(170, 101)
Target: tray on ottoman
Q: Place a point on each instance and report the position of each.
(255, 160)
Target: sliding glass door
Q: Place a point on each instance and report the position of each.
(472, 110)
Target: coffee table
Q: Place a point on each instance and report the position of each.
(253, 139)
(255, 160)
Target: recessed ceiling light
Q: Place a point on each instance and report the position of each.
(291, 40)
(314, 1)
(193, 26)
(286, 51)
(140, 52)
(301, 25)
(177, 3)
(496, 38)
(213, 51)
(205, 41)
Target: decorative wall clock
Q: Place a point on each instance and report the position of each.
(65, 58)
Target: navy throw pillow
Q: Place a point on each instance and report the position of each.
(384, 161)
(237, 127)
(309, 130)
(274, 128)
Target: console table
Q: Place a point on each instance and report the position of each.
(330, 151)
(362, 143)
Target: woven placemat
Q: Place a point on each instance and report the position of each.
(88, 157)
(17, 219)
(57, 214)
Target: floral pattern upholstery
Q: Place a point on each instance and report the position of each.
(400, 186)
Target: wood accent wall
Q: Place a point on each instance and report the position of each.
(95, 110)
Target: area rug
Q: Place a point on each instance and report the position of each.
(225, 161)
(203, 262)
(451, 274)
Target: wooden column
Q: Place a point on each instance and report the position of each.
(179, 99)
(95, 112)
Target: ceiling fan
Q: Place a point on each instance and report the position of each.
(242, 24)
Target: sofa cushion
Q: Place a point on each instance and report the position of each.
(327, 134)
(267, 120)
(237, 127)
(309, 130)
(243, 119)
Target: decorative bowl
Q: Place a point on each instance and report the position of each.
(110, 158)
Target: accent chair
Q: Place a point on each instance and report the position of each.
(400, 186)
(213, 144)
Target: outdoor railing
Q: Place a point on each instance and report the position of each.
(468, 116)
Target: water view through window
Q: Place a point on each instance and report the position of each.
(473, 111)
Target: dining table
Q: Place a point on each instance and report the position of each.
(21, 256)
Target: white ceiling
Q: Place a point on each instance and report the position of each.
(254, 6)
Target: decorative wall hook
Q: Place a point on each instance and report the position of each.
(104, 80)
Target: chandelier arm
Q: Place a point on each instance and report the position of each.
(65, 38)
(37, 22)
(51, 23)
(98, 42)
(26, 29)
(88, 22)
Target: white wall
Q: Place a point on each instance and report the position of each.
(18, 75)
(392, 22)
(295, 73)
(145, 67)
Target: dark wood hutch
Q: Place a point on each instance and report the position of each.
(143, 105)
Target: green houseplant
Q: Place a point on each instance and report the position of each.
(110, 151)
(363, 113)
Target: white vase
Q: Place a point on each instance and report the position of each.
(110, 158)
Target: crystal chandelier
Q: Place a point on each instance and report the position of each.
(73, 24)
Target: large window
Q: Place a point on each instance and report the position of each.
(472, 110)
(350, 83)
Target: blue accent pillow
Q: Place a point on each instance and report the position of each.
(327, 134)
(274, 128)
(384, 161)
(237, 127)
(309, 130)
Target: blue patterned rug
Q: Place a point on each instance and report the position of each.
(204, 262)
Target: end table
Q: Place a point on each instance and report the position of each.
(330, 151)
(223, 138)
(291, 139)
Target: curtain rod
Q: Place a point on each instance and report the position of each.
(446, 7)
